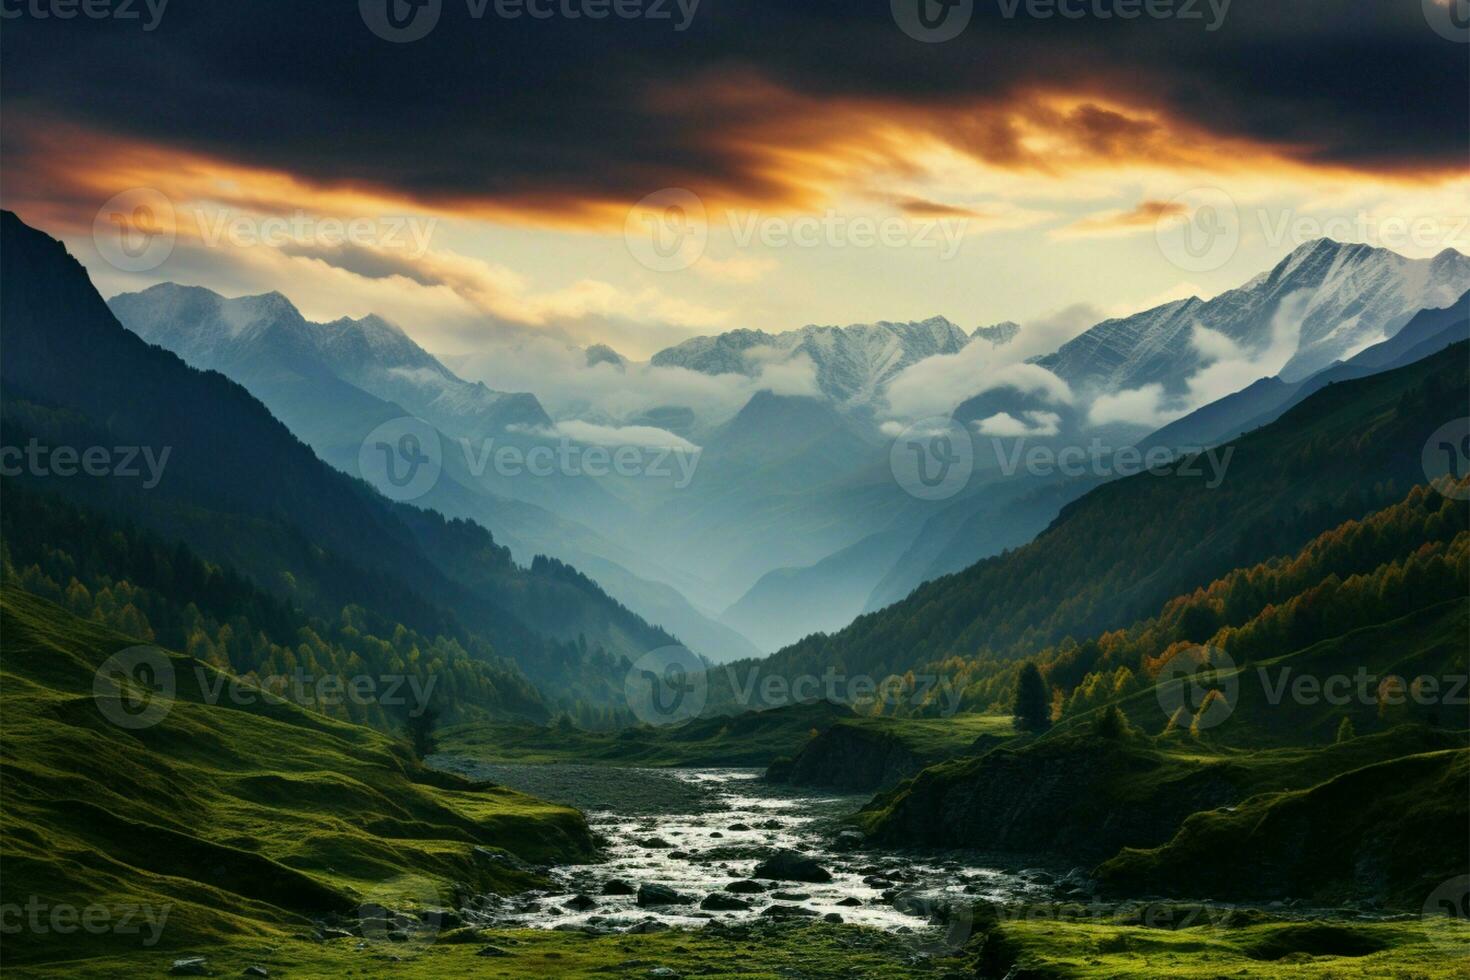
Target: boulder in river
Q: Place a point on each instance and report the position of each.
(850, 902)
(655, 843)
(648, 925)
(616, 886)
(746, 887)
(792, 866)
(720, 902)
(661, 895)
(580, 903)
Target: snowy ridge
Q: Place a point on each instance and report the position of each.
(852, 363)
(1343, 297)
(267, 331)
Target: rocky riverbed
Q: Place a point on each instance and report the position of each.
(687, 847)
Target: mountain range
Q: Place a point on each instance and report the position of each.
(245, 493)
(335, 383)
(793, 496)
(1344, 451)
(1340, 297)
(852, 363)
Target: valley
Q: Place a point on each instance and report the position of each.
(748, 490)
(262, 717)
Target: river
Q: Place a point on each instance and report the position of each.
(699, 831)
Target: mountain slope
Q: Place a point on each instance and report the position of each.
(790, 603)
(1125, 547)
(1265, 400)
(240, 489)
(333, 384)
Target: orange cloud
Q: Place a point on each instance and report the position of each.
(1145, 215)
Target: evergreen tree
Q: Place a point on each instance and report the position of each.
(1112, 723)
(1345, 731)
(1032, 705)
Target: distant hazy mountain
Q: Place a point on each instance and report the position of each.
(852, 363)
(252, 332)
(334, 383)
(774, 488)
(1351, 296)
(790, 603)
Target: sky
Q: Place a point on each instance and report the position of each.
(477, 171)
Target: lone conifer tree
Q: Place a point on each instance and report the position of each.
(1032, 707)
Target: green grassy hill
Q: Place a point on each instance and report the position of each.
(1395, 830)
(243, 819)
(1081, 798)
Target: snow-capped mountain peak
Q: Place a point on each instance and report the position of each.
(1342, 297)
(852, 363)
(268, 333)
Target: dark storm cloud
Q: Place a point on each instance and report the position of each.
(554, 114)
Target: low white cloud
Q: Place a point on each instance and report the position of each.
(1006, 424)
(603, 393)
(1139, 406)
(782, 373)
(937, 385)
(640, 436)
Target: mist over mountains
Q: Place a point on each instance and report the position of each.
(790, 492)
